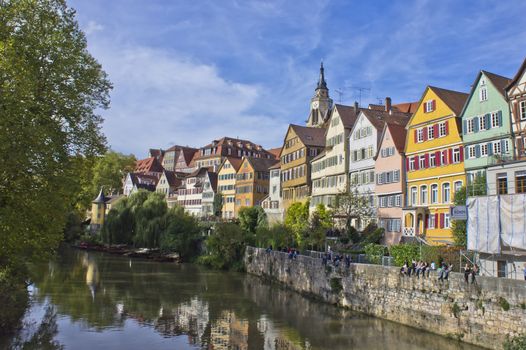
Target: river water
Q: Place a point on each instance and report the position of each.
(85, 300)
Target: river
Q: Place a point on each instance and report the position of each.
(85, 300)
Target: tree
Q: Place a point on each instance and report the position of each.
(250, 218)
(226, 247)
(110, 170)
(50, 88)
(218, 204)
(352, 205)
(297, 220)
(476, 188)
(320, 222)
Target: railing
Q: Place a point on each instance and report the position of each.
(409, 231)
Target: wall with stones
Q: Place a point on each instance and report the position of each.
(483, 313)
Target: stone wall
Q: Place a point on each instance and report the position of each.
(483, 313)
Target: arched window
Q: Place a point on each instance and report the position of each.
(423, 194)
(414, 196)
(434, 193)
(446, 193)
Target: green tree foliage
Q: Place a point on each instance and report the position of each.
(375, 252)
(277, 236)
(218, 204)
(250, 218)
(404, 252)
(515, 343)
(297, 220)
(352, 205)
(320, 222)
(226, 247)
(50, 88)
(110, 170)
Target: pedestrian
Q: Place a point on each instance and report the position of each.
(403, 270)
(347, 260)
(442, 271)
(474, 272)
(467, 272)
(432, 267)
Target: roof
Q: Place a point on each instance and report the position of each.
(309, 136)
(172, 178)
(276, 166)
(148, 165)
(213, 180)
(348, 115)
(406, 107)
(222, 145)
(398, 133)
(275, 151)
(517, 75)
(378, 118)
(453, 99)
(101, 198)
(236, 162)
(498, 81)
(147, 181)
(261, 164)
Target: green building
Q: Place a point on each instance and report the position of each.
(486, 125)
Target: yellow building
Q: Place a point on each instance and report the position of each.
(434, 164)
(252, 181)
(301, 144)
(98, 211)
(226, 185)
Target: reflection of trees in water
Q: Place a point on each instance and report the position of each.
(43, 337)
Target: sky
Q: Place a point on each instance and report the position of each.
(188, 72)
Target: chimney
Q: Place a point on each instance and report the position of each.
(356, 106)
(388, 104)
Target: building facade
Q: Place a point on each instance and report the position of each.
(190, 194)
(516, 94)
(226, 186)
(252, 182)
(300, 146)
(273, 203)
(486, 125)
(434, 163)
(209, 193)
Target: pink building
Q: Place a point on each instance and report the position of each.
(390, 181)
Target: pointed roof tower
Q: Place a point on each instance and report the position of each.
(101, 198)
(321, 81)
(320, 103)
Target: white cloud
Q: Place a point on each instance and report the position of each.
(93, 27)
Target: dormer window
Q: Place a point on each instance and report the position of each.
(429, 106)
(483, 91)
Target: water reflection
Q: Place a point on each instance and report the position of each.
(113, 302)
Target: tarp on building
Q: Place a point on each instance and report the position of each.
(496, 223)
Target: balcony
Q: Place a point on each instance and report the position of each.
(408, 231)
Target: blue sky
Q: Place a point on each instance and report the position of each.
(187, 72)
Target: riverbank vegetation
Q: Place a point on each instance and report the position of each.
(51, 88)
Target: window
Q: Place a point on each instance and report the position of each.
(520, 182)
(432, 160)
(483, 94)
(502, 183)
(412, 163)
(470, 125)
(496, 147)
(446, 193)
(420, 135)
(390, 201)
(442, 131)
(421, 162)
(457, 186)
(495, 120)
(456, 155)
(483, 149)
(434, 193)
(522, 110)
(431, 221)
(428, 107)
(471, 152)
(413, 196)
(482, 123)
(398, 200)
(430, 133)
(447, 221)
(423, 194)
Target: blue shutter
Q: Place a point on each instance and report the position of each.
(465, 127)
(477, 151)
(488, 121)
(490, 148)
(499, 113)
(476, 124)
(502, 146)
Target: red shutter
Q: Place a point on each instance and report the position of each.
(426, 219)
(447, 127)
(450, 156)
(437, 158)
(445, 157)
(434, 105)
(416, 163)
(435, 131)
(436, 221)
(442, 220)
(426, 160)
(416, 136)
(461, 153)
(425, 107)
(425, 133)
(407, 164)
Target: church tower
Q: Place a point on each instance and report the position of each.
(320, 103)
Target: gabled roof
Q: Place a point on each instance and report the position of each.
(498, 81)
(455, 100)
(147, 181)
(407, 107)
(378, 118)
(275, 151)
(348, 115)
(309, 136)
(148, 165)
(213, 180)
(173, 178)
(398, 133)
(234, 161)
(261, 164)
(517, 75)
(276, 166)
(188, 153)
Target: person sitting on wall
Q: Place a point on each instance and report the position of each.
(474, 272)
(467, 272)
(403, 270)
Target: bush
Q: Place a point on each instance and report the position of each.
(374, 253)
(404, 252)
(226, 247)
(374, 236)
(515, 343)
(14, 300)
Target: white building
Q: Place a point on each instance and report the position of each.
(190, 194)
(135, 181)
(273, 203)
(506, 178)
(209, 192)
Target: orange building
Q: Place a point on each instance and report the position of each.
(252, 181)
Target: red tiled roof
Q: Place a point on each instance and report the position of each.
(406, 107)
(453, 99)
(275, 152)
(148, 165)
(348, 115)
(398, 133)
(310, 136)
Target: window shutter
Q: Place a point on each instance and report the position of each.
(426, 160)
(502, 146)
(435, 131)
(441, 220)
(436, 220)
(477, 151)
(447, 127)
(407, 164)
(416, 136)
(488, 121)
(426, 220)
(490, 149)
(461, 149)
(499, 117)
(425, 133)
(464, 127)
(433, 105)
(450, 156)
(425, 107)
(476, 124)
(416, 163)
(437, 158)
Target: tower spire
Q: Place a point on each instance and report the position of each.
(321, 81)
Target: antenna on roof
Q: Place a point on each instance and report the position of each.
(340, 94)
(380, 100)
(360, 90)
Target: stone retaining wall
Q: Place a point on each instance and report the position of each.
(483, 313)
